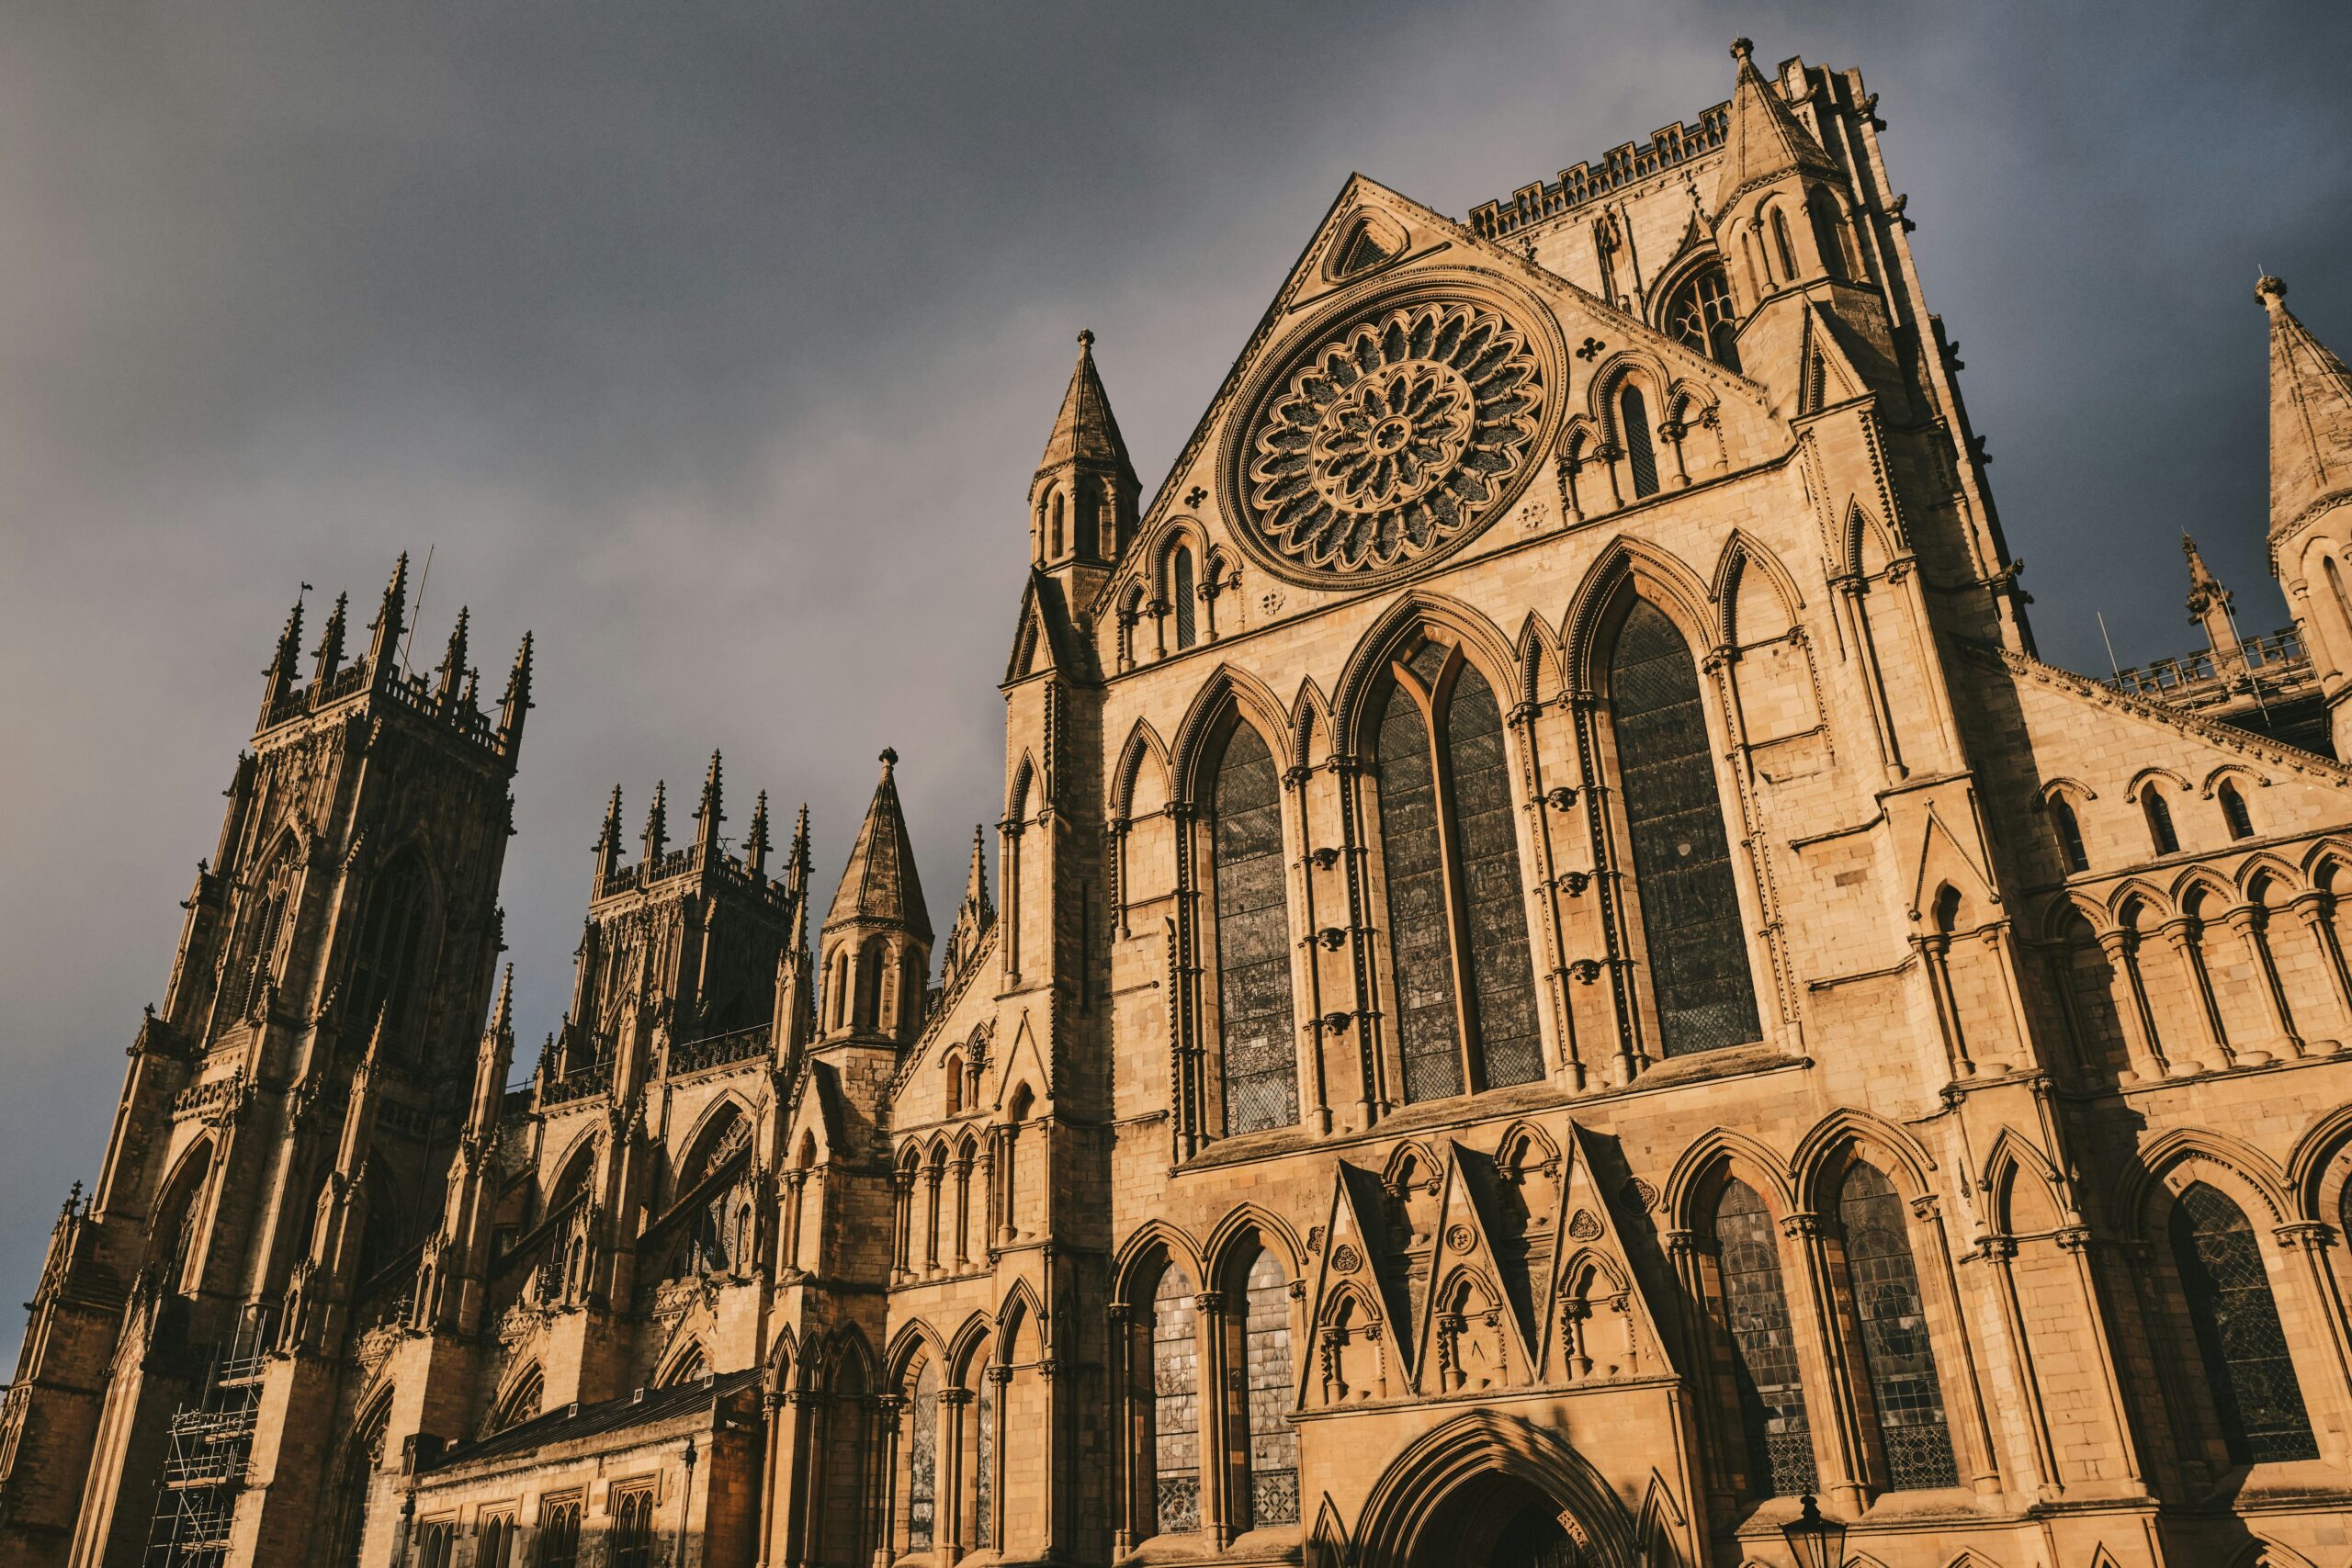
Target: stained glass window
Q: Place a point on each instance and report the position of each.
(923, 1459)
(1764, 1355)
(1697, 954)
(1420, 950)
(2252, 1373)
(633, 1529)
(984, 1455)
(1896, 1351)
(1179, 589)
(2234, 811)
(2159, 814)
(391, 941)
(2064, 823)
(560, 1533)
(1274, 1445)
(1256, 1022)
(1175, 1405)
(1502, 980)
(1700, 317)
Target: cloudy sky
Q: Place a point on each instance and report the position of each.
(717, 342)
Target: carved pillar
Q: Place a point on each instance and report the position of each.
(1928, 1211)
(1933, 952)
(1698, 1335)
(2185, 938)
(2076, 1242)
(1123, 1431)
(963, 1211)
(2316, 910)
(947, 1511)
(1216, 1514)
(1999, 1253)
(886, 1411)
(902, 1183)
(2312, 1240)
(2251, 921)
(930, 1182)
(1850, 590)
(999, 1414)
(2140, 1038)
(1848, 1444)
(771, 1404)
(1672, 432)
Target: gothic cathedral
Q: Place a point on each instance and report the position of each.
(1559, 987)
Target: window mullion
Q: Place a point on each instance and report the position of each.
(1458, 911)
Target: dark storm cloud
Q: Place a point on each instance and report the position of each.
(717, 344)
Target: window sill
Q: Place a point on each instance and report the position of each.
(1277, 1544)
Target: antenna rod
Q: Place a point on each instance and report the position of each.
(2102, 636)
(418, 613)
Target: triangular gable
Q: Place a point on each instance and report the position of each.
(1590, 1245)
(1024, 1063)
(1464, 1259)
(1356, 1278)
(1943, 858)
(1042, 638)
(1826, 373)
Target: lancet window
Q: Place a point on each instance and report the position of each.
(1891, 1322)
(923, 1459)
(1273, 1450)
(1633, 429)
(2069, 831)
(983, 1454)
(391, 948)
(1699, 973)
(1700, 317)
(1255, 1015)
(1183, 596)
(560, 1533)
(1457, 917)
(1175, 1405)
(2233, 812)
(1764, 1358)
(633, 1529)
(2247, 1364)
(2162, 835)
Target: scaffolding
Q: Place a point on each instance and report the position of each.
(204, 1467)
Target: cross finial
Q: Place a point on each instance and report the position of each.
(890, 758)
(1086, 339)
(1741, 49)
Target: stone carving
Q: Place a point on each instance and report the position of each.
(1583, 1226)
(1390, 439)
(1460, 1239)
(1345, 1258)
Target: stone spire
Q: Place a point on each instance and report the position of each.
(453, 662)
(390, 622)
(2209, 604)
(279, 679)
(517, 701)
(975, 915)
(1765, 140)
(879, 884)
(608, 842)
(1084, 428)
(2311, 417)
(795, 867)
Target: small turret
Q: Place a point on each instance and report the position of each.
(2311, 484)
(973, 916)
(329, 649)
(1082, 500)
(492, 1061)
(711, 812)
(878, 935)
(390, 623)
(755, 842)
(796, 867)
(2209, 606)
(657, 823)
(517, 701)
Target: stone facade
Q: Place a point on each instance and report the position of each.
(1558, 975)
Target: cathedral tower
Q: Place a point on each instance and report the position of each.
(2311, 498)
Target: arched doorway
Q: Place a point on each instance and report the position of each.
(1491, 1489)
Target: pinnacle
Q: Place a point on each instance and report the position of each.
(881, 881)
(2311, 416)
(1765, 140)
(1085, 427)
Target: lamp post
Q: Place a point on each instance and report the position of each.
(1814, 1541)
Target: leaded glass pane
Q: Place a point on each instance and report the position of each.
(984, 1462)
(1274, 1445)
(1420, 950)
(1254, 1006)
(1701, 318)
(1180, 588)
(1764, 1352)
(1895, 1346)
(1633, 423)
(2246, 1360)
(1697, 954)
(1509, 1041)
(922, 1459)
(1175, 1405)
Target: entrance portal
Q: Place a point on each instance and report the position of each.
(1487, 1490)
(1497, 1521)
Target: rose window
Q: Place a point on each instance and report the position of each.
(1394, 439)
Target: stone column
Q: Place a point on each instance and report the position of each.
(2140, 1038)
(2316, 910)
(1122, 1434)
(1999, 1253)
(1846, 1481)
(2249, 920)
(1698, 1335)
(1927, 1211)
(2076, 1242)
(2312, 1240)
(2184, 937)
(948, 1510)
(1217, 1515)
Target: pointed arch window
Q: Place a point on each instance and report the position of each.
(1273, 1450)
(1700, 316)
(1257, 1023)
(1782, 248)
(1764, 1357)
(390, 955)
(1633, 425)
(923, 1459)
(1183, 595)
(1826, 240)
(560, 1533)
(1457, 914)
(2069, 831)
(2233, 812)
(2162, 835)
(2247, 1363)
(1175, 1405)
(1891, 1318)
(1053, 537)
(984, 1451)
(1699, 975)
(633, 1529)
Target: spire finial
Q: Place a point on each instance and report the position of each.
(453, 660)
(657, 822)
(2272, 292)
(501, 1012)
(755, 842)
(1742, 51)
(517, 701)
(1086, 340)
(711, 812)
(890, 759)
(330, 648)
(391, 620)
